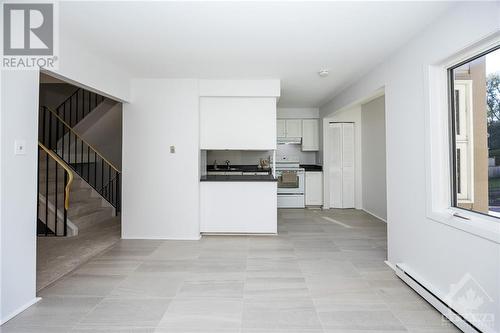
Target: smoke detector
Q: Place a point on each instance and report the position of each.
(323, 73)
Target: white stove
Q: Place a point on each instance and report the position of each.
(290, 182)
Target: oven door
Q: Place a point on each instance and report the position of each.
(290, 181)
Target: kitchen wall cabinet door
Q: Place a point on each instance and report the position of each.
(310, 135)
(294, 128)
(281, 128)
(238, 123)
(314, 188)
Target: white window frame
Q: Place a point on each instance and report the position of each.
(438, 150)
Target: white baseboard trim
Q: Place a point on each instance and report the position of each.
(163, 238)
(374, 215)
(239, 234)
(19, 310)
(432, 297)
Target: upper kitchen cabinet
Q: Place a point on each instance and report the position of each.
(238, 114)
(310, 135)
(281, 128)
(238, 123)
(289, 128)
(293, 128)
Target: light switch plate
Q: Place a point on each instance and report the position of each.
(20, 147)
(172, 149)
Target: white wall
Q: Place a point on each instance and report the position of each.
(352, 114)
(298, 113)
(161, 190)
(102, 128)
(440, 254)
(85, 68)
(18, 121)
(373, 157)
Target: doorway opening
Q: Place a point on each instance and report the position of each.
(79, 177)
(355, 158)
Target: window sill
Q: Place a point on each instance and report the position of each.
(476, 224)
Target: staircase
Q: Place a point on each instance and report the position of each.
(94, 193)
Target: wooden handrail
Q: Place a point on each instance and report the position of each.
(76, 134)
(65, 167)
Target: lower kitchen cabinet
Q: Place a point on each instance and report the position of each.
(238, 207)
(314, 188)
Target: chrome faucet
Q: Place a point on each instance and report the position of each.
(228, 164)
(215, 165)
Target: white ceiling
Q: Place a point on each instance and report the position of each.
(291, 41)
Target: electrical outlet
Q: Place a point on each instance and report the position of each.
(172, 149)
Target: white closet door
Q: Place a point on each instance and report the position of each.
(348, 165)
(341, 165)
(335, 165)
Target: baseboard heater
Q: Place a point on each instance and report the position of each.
(455, 317)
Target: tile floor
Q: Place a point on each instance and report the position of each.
(58, 256)
(318, 275)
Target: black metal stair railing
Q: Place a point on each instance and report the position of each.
(78, 105)
(54, 183)
(84, 159)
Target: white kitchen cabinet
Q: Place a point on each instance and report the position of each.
(238, 207)
(310, 135)
(281, 128)
(289, 128)
(238, 123)
(294, 128)
(314, 188)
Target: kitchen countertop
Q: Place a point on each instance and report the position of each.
(238, 178)
(312, 167)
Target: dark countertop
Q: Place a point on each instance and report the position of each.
(238, 178)
(312, 167)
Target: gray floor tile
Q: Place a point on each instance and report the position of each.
(211, 288)
(109, 267)
(126, 313)
(54, 312)
(276, 287)
(83, 285)
(381, 320)
(203, 313)
(147, 285)
(315, 276)
(280, 313)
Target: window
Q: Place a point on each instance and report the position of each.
(474, 92)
